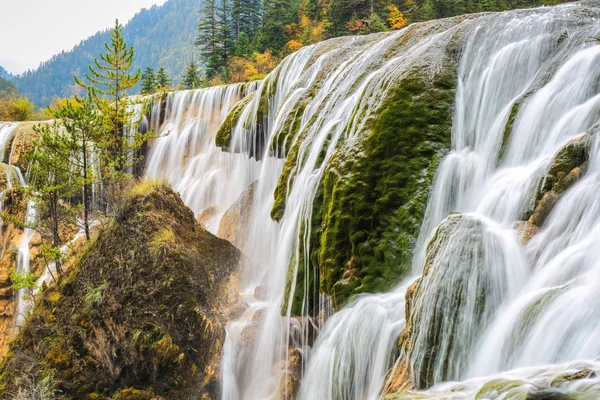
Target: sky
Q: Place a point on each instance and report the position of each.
(32, 31)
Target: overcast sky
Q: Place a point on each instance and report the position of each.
(32, 31)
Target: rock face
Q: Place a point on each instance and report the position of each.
(234, 223)
(24, 137)
(469, 269)
(568, 166)
(140, 315)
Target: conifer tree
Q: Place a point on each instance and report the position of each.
(149, 83)
(82, 126)
(427, 11)
(225, 38)
(191, 77)
(208, 38)
(277, 14)
(50, 184)
(242, 45)
(163, 80)
(109, 80)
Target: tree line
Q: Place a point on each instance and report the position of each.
(241, 40)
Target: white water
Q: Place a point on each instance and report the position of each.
(521, 57)
(23, 261)
(13, 172)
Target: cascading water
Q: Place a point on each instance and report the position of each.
(526, 88)
(12, 174)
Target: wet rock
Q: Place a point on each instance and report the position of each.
(290, 380)
(527, 230)
(585, 373)
(23, 142)
(260, 292)
(567, 168)
(205, 216)
(235, 221)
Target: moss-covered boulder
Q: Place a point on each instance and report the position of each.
(139, 316)
(223, 137)
(375, 194)
(567, 167)
(470, 268)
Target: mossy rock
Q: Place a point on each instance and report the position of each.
(375, 194)
(508, 389)
(223, 138)
(139, 313)
(24, 137)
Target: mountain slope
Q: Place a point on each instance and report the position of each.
(4, 73)
(161, 36)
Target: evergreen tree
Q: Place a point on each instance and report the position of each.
(427, 11)
(246, 18)
(82, 126)
(242, 45)
(376, 24)
(50, 184)
(148, 81)
(109, 79)
(208, 38)
(225, 38)
(163, 80)
(277, 14)
(192, 77)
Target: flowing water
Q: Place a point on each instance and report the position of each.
(527, 85)
(14, 176)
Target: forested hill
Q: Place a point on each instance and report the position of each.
(161, 36)
(4, 73)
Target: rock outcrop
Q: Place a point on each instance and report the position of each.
(140, 315)
(234, 223)
(567, 167)
(465, 279)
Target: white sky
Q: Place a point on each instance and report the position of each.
(32, 31)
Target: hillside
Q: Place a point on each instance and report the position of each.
(161, 36)
(136, 319)
(4, 73)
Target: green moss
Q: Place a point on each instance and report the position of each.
(223, 138)
(284, 137)
(370, 203)
(375, 195)
(508, 389)
(510, 123)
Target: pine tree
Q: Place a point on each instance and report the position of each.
(148, 81)
(108, 82)
(277, 14)
(163, 80)
(50, 184)
(82, 126)
(376, 24)
(225, 38)
(208, 37)
(242, 45)
(427, 11)
(191, 77)
(246, 18)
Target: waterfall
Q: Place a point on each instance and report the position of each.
(185, 155)
(526, 92)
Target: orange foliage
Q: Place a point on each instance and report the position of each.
(396, 20)
(249, 69)
(356, 25)
(292, 46)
